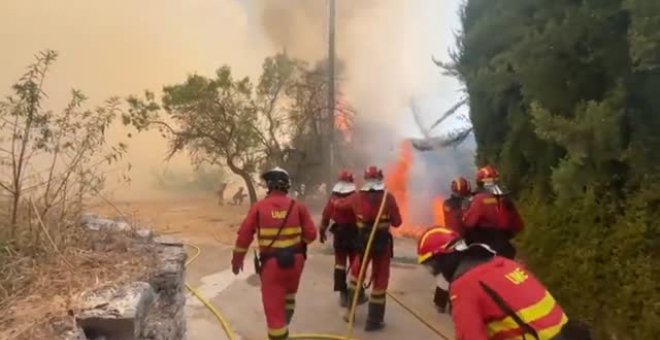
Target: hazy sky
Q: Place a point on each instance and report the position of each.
(120, 47)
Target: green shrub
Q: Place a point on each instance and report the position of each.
(601, 265)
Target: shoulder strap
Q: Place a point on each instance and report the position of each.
(499, 301)
(279, 231)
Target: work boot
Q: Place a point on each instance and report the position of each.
(362, 298)
(341, 287)
(440, 299)
(343, 299)
(340, 280)
(375, 317)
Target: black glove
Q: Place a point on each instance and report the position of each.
(322, 235)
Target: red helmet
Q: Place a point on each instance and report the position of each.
(487, 174)
(373, 172)
(345, 176)
(460, 186)
(436, 240)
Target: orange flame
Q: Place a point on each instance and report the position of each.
(397, 179)
(438, 212)
(343, 121)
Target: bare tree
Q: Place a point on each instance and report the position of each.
(47, 156)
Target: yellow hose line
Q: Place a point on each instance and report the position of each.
(417, 316)
(363, 268)
(216, 313)
(209, 306)
(225, 325)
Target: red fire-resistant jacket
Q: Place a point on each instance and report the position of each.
(340, 216)
(365, 205)
(489, 212)
(265, 218)
(478, 317)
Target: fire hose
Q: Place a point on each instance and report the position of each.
(351, 315)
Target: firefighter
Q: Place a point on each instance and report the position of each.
(365, 205)
(284, 228)
(453, 206)
(344, 231)
(493, 297)
(453, 215)
(491, 217)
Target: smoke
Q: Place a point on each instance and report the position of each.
(382, 44)
(386, 47)
(117, 48)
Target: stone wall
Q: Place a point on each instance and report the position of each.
(150, 310)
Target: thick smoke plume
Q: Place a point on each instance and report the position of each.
(380, 42)
(387, 52)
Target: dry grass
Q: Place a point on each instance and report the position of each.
(43, 292)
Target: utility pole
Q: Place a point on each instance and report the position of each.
(331, 87)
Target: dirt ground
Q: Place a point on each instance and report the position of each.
(200, 221)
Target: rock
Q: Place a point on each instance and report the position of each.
(116, 313)
(95, 223)
(87, 217)
(167, 321)
(76, 334)
(144, 233)
(168, 240)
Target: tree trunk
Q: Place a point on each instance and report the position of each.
(249, 183)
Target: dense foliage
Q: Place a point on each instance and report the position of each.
(248, 127)
(564, 99)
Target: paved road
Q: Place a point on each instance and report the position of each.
(238, 298)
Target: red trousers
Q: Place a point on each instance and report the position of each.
(278, 294)
(380, 274)
(345, 259)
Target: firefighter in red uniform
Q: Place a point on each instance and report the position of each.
(344, 231)
(366, 204)
(453, 206)
(492, 297)
(491, 217)
(284, 228)
(453, 215)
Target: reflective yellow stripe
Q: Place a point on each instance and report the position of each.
(240, 250)
(288, 231)
(281, 243)
(552, 331)
(528, 314)
(381, 225)
(379, 301)
(352, 283)
(489, 200)
(277, 331)
(423, 258)
(378, 292)
(340, 267)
